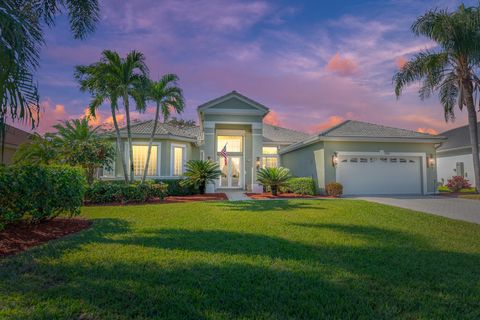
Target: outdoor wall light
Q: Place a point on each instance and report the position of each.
(209, 158)
(431, 161)
(334, 159)
(258, 163)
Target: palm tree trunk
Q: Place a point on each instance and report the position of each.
(473, 129)
(129, 135)
(157, 114)
(120, 145)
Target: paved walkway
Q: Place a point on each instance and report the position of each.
(454, 208)
(236, 195)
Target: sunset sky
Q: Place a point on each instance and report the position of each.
(313, 63)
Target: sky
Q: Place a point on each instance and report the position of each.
(313, 63)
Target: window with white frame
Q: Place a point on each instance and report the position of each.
(233, 143)
(178, 159)
(269, 157)
(140, 158)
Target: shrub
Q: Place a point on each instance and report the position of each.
(113, 191)
(300, 185)
(334, 189)
(273, 178)
(39, 192)
(177, 188)
(443, 189)
(457, 183)
(201, 172)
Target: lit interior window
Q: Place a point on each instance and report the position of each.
(140, 157)
(269, 162)
(234, 143)
(269, 150)
(178, 161)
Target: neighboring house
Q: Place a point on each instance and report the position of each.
(365, 158)
(455, 155)
(14, 137)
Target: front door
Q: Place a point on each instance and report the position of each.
(231, 172)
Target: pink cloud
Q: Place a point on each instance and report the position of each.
(341, 66)
(427, 130)
(330, 122)
(272, 118)
(400, 62)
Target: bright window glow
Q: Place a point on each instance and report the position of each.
(178, 161)
(140, 158)
(234, 143)
(269, 162)
(269, 150)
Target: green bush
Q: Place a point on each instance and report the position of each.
(300, 185)
(39, 192)
(176, 188)
(443, 189)
(114, 191)
(334, 189)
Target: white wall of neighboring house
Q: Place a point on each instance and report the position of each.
(446, 167)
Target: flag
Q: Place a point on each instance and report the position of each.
(224, 154)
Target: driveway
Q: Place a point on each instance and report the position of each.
(454, 208)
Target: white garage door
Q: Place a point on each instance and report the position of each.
(379, 175)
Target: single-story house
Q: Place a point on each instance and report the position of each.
(455, 155)
(366, 158)
(14, 137)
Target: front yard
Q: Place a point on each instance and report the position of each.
(306, 259)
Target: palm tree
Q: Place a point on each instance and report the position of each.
(201, 172)
(273, 177)
(20, 42)
(39, 150)
(450, 69)
(127, 77)
(93, 79)
(168, 96)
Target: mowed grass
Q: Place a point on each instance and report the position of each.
(305, 259)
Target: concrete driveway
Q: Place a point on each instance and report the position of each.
(454, 208)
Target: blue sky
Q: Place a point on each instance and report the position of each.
(313, 63)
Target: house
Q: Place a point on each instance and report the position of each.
(366, 158)
(455, 155)
(14, 137)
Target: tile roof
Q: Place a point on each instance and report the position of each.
(359, 129)
(457, 138)
(167, 129)
(279, 134)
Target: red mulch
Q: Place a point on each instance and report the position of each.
(263, 196)
(22, 235)
(170, 199)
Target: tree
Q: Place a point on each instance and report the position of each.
(450, 68)
(39, 150)
(168, 97)
(81, 145)
(201, 172)
(126, 78)
(273, 177)
(21, 38)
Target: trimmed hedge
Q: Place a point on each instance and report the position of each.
(39, 192)
(175, 187)
(301, 185)
(114, 191)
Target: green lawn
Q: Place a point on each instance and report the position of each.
(309, 259)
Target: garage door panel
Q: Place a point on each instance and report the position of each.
(379, 175)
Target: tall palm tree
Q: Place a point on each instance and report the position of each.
(93, 79)
(21, 39)
(168, 97)
(450, 68)
(128, 78)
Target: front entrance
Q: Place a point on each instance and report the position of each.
(231, 172)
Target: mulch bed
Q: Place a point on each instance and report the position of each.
(22, 235)
(169, 199)
(263, 196)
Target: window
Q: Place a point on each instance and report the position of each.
(234, 143)
(269, 150)
(363, 160)
(140, 158)
(178, 159)
(269, 162)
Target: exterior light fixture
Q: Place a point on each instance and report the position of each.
(431, 161)
(209, 158)
(334, 159)
(258, 163)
